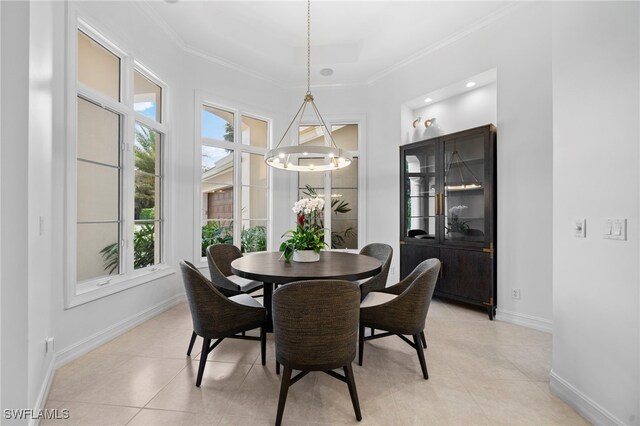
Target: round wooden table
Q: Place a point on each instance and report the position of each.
(270, 269)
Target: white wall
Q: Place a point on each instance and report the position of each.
(519, 46)
(596, 161)
(40, 241)
(465, 111)
(14, 180)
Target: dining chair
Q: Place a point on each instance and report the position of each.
(219, 258)
(217, 317)
(315, 327)
(384, 253)
(401, 309)
(413, 233)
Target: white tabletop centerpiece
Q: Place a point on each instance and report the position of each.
(306, 241)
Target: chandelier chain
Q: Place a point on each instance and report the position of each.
(308, 46)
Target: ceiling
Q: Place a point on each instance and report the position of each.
(359, 40)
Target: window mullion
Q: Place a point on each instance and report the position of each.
(128, 189)
(237, 180)
(327, 196)
(152, 124)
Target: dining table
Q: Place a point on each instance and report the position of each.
(271, 269)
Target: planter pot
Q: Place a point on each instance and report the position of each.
(305, 256)
(456, 235)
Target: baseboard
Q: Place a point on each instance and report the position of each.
(44, 390)
(584, 405)
(524, 320)
(80, 348)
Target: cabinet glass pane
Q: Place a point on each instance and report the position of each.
(421, 160)
(464, 189)
(420, 192)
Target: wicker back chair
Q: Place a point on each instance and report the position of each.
(402, 309)
(315, 326)
(384, 253)
(216, 316)
(219, 258)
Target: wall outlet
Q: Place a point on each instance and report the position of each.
(580, 228)
(48, 344)
(515, 293)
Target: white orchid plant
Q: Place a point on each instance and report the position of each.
(309, 234)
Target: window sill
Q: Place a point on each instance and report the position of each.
(93, 290)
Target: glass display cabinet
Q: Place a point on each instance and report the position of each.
(448, 211)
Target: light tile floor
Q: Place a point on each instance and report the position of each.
(481, 372)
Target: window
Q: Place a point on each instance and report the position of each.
(234, 194)
(117, 179)
(339, 188)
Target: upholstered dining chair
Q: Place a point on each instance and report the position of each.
(401, 309)
(217, 317)
(384, 253)
(413, 233)
(315, 327)
(219, 258)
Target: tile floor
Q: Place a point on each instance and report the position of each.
(481, 372)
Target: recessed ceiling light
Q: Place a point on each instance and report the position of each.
(471, 84)
(326, 72)
(428, 100)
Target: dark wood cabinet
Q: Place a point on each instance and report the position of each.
(448, 211)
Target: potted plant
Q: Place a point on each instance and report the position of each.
(457, 227)
(306, 241)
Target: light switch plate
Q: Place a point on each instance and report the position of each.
(580, 228)
(615, 229)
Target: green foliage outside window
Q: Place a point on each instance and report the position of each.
(251, 239)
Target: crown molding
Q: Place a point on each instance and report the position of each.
(499, 14)
(489, 19)
(159, 20)
(155, 16)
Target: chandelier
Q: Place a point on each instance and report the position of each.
(315, 158)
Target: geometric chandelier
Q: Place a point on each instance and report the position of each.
(308, 158)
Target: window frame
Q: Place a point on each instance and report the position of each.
(239, 110)
(360, 153)
(77, 293)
